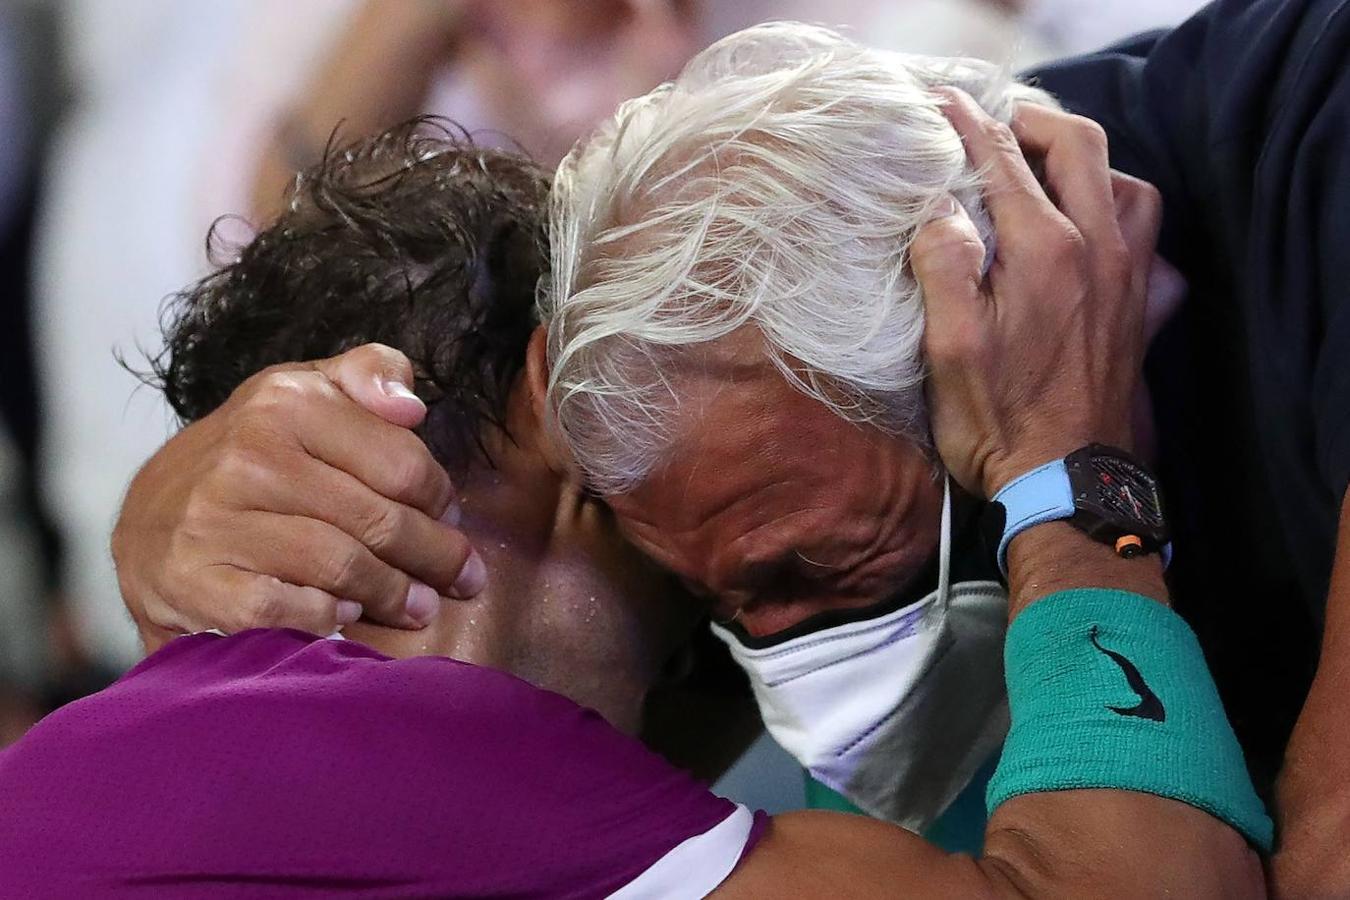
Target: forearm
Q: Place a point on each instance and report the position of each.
(378, 74)
(1056, 841)
(1058, 557)
(1313, 794)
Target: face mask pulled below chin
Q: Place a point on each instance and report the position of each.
(896, 712)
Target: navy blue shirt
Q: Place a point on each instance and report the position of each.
(1241, 117)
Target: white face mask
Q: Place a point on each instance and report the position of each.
(895, 712)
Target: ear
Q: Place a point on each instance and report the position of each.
(554, 449)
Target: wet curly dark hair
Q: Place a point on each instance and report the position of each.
(414, 238)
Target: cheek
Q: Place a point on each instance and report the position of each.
(876, 520)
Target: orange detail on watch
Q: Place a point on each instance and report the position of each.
(1129, 546)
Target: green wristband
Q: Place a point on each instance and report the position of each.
(1108, 689)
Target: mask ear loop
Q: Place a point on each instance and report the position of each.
(945, 544)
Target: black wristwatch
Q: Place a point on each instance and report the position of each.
(1103, 491)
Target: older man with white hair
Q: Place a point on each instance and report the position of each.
(731, 278)
(731, 270)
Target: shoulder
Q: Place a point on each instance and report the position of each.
(274, 755)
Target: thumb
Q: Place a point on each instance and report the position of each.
(380, 379)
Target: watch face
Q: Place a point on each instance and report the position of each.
(1125, 492)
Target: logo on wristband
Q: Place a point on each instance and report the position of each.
(1149, 706)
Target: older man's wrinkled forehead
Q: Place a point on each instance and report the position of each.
(767, 495)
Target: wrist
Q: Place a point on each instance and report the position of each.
(1109, 690)
(999, 469)
(1056, 556)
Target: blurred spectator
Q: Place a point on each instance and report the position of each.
(118, 230)
(24, 662)
(14, 120)
(1019, 33)
(26, 547)
(988, 29)
(536, 74)
(539, 73)
(533, 73)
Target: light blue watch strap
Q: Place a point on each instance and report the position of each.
(1041, 495)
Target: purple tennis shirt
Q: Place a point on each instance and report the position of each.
(272, 763)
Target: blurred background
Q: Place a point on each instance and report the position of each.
(128, 126)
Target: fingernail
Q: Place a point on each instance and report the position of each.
(422, 604)
(348, 611)
(398, 390)
(472, 578)
(453, 514)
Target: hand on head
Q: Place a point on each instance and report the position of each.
(305, 499)
(1043, 355)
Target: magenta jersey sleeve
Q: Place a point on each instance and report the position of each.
(275, 764)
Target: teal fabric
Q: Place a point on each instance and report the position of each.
(819, 796)
(960, 829)
(1063, 683)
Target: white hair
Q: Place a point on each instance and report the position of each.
(776, 183)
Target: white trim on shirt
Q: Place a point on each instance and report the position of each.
(695, 867)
